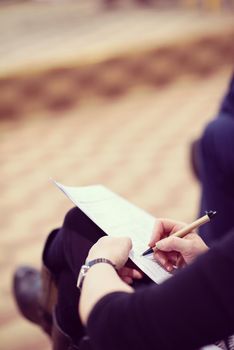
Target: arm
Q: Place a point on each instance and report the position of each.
(117, 250)
(102, 278)
(191, 309)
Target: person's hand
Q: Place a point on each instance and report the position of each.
(174, 251)
(116, 249)
(128, 274)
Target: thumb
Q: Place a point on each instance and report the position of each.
(156, 234)
(173, 244)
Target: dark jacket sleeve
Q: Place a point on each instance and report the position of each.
(227, 106)
(193, 308)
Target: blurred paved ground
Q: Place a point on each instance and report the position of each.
(57, 55)
(136, 145)
(37, 35)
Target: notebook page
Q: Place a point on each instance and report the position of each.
(117, 217)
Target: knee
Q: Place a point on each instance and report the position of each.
(71, 220)
(217, 143)
(218, 137)
(79, 223)
(210, 134)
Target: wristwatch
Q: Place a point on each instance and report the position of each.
(85, 268)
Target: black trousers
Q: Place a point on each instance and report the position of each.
(65, 251)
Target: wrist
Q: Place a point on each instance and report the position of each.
(103, 255)
(101, 280)
(88, 265)
(95, 261)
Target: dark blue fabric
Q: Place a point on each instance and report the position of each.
(227, 106)
(216, 170)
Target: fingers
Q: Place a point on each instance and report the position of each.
(133, 273)
(188, 247)
(161, 257)
(128, 242)
(180, 262)
(116, 249)
(128, 275)
(173, 244)
(170, 253)
(167, 260)
(127, 279)
(171, 226)
(164, 228)
(157, 233)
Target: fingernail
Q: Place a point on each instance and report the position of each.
(159, 245)
(169, 268)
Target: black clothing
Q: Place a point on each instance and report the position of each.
(65, 252)
(192, 309)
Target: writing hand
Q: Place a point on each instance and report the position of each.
(175, 251)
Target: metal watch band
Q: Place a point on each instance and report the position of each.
(85, 268)
(99, 260)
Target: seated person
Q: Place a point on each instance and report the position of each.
(191, 309)
(67, 248)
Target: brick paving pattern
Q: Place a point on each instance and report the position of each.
(136, 145)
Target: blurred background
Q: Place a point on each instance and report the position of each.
(95, 91)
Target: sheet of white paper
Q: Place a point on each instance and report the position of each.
(118, 217)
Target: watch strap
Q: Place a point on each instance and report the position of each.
(99, 260)
(85, 268)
